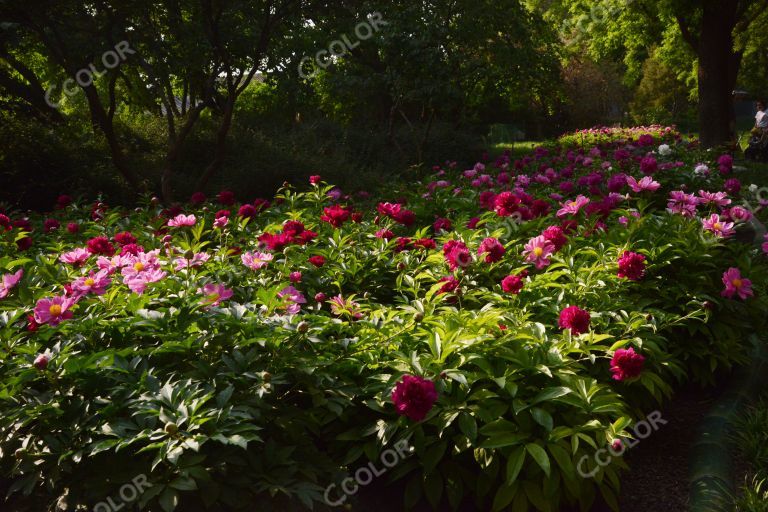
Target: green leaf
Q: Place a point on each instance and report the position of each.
(539, 455)
(515, 464)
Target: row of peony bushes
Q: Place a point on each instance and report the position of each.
(507, 321)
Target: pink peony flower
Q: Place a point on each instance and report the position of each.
(717, 226)
(182, 220)
(142, 270)
(215, 294)
(575, 319)
(645, 183)
(414, 397)
(631, 266)
(765, 244)
(9, 281)
(197, 261)
(53, 311)
(572, 207)
(682, 203)
(492, 249)
(719, 199)
(538, 251)
(736, 285)
(256, 260)
(626, 364)
(93, 283)
(76, 256)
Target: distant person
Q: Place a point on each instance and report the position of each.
(761, 118)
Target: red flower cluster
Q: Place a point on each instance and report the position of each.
(631, 266)
(575, 319)
(414, 397)
(293, 233)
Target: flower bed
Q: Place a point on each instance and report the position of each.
(507, 322)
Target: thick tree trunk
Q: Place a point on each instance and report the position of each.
(718, 70)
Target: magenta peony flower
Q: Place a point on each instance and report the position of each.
(514, 283)
(538, 250)
(405, 217)
(648, 165)
(504, 204)
(732, 186)
(456, 254)
(717, 226)
(345, 307)
(53, 311)
(315, 179)
(442, 224)
(626, 364)
(215, 294)
(414, 397)
(631, 266)
(736, 285)
(450, 285)
(247, 211)
(9, 281)
(492, 249)
(575, 319)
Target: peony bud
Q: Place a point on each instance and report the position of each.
(171, 428)
(41, 362)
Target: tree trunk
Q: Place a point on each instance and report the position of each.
(718, 70)
(101, 121)
(221, 142)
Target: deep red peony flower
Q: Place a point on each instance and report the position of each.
(626, 364)
(414, 397)
(317, 260)
(442, 224)
(24, 243)
(100, 245)
(226, 197)
(335, 215)
(450, 286)
(247, 211)
(124, 238)
(197, 198)
(261, 204)
(73, 227)
(293, 228)
(5, 222)
(315, 179)
(405, 217)
(51, 225)
(631, 266)
(63, 201)
(276, 242)
(575, 319)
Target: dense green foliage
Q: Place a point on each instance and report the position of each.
(271, 393)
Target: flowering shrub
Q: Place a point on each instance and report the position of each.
(506, 321)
